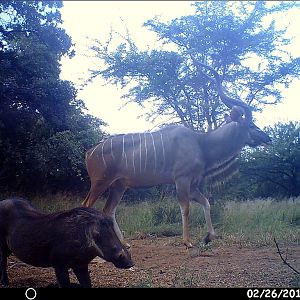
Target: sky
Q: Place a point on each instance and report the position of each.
(94, 19)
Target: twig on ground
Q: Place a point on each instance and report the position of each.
(17, 263)
(285, 259)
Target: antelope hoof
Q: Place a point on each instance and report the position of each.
(188, 244)
(209, 237)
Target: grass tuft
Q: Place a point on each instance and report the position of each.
(254, 222)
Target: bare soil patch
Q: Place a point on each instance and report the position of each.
(165, 262)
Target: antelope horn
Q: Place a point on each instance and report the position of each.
(228, 101)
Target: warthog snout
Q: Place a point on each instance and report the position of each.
(123, 259)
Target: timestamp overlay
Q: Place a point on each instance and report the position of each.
(273, 293)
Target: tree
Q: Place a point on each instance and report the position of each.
(32, 45)
(276, 170)
(44, 128)
(238, 39)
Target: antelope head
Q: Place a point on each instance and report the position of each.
(240, 113)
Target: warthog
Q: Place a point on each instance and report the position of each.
(63, 240)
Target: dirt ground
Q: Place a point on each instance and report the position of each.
(165, 262)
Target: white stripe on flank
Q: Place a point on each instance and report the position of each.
(126, 162)
(133, 154)
(146, 152)
(140, 153)
(102, 152)
(154, 149)
(94, 149)
(123, 149)
(124, 153)
(111, 149)
(163, 149)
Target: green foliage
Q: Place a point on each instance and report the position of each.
(250, 222)
(169, 213)
(51, 203)
(159, 218)
(229, 36)
(44, 129)
(58, 158)
(260, 221)
(254, 222)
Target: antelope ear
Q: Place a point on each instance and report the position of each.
(236, 113)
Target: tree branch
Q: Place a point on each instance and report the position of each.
(8, 32)
(285, 259)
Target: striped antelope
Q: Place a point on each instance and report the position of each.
(174, 154)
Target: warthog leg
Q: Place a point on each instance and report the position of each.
(83, 276)
(62, 276)
(3, 264)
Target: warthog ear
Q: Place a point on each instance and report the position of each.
(92, 231)
(236, 113)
